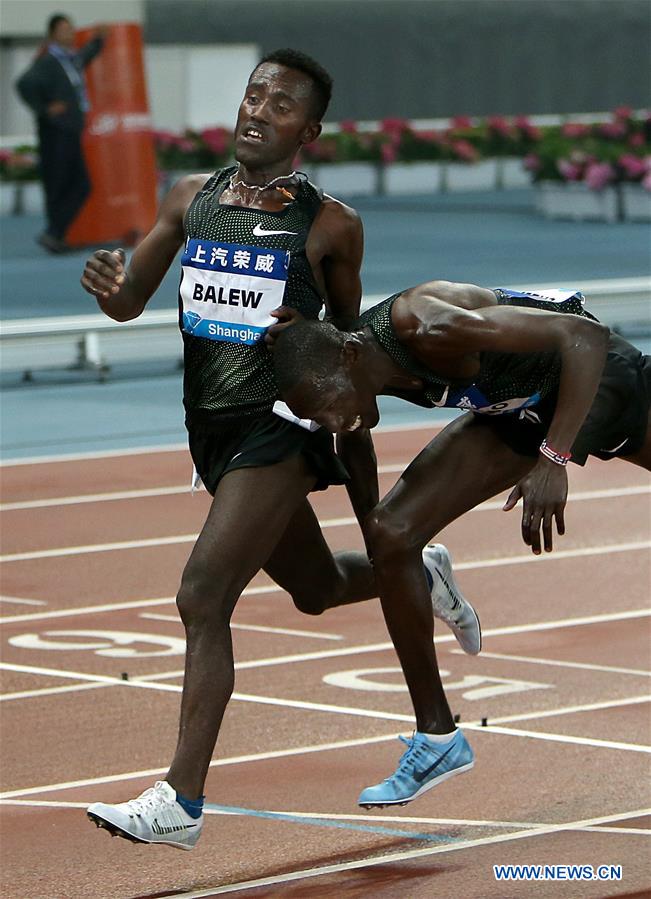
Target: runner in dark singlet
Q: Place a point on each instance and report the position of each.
(543, 383)
(254, 235)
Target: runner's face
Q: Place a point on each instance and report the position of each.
(338, 405)
(275, 116)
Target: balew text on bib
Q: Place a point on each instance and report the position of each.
(229, 290)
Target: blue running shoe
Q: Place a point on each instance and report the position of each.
(421, 767)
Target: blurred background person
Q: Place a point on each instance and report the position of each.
(53, 87)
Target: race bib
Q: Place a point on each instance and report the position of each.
(547, 295)
(229, 290)
(473, 399)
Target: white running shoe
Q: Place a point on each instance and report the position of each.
(154, 817)
(447, 601)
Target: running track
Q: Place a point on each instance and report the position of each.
(92, 552)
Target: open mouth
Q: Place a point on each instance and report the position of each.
(357, 423)
(253, 134)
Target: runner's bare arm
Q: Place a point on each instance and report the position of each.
(122, 295)
(341, 262)
(442, 331)
(341, 268)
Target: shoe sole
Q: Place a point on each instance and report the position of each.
(117, 831)
(423, 789)
(444, 571)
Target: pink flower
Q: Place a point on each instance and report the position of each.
(164, 139)
(531, 132)
(636, 140)
(389, 152)
(348, 126)
(465, 150)
(322, 150)
(216, 139)
(623, 112)
(613, 130)
(394, 126)
(435, 137)
(185, 145)
(569, 170)
(531, 162)
(461, 122)
(575, 129)
(598, 175)
(499, 124)
(633, 166)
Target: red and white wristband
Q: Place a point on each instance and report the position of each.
(554, 455)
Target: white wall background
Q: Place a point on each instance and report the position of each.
(197, 87)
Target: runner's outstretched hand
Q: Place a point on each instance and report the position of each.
(544, 494)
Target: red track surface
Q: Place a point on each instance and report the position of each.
(562, 773)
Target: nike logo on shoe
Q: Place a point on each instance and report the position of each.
(419, 776)
(259, 231)
(456, 603)
(161, 830)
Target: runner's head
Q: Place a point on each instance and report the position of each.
(60, 30)
(320, 375)
(285, 99)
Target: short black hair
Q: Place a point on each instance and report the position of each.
(308, 352)
(321, 80)
(56, 20)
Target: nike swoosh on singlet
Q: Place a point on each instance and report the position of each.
(259, 231)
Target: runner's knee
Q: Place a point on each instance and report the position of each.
(389, 538)
(201, 601)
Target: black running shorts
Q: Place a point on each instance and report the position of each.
(219, 445)
(616, 424)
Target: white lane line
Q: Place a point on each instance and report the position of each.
(303, 750)
(368, 818)
(73, 688)
(570, 709)
(406, 855)
(179, 539)
(337, 653)
(97, 454)
(50, 691)
(444, 638)
(91, 678)
(120, 606)
(259, 628)
(393, 468)
(643, 831)
(23, 602)
(384, 819)
(181, 447)
(534, 660)
(563, 738)
(94, 498)
(215, 763)
(150, 684)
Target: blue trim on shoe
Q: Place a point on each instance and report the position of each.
(422, 766)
